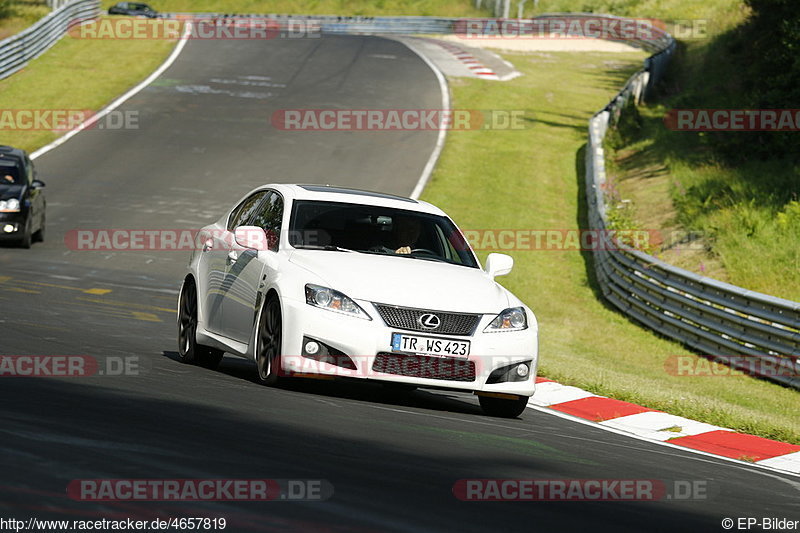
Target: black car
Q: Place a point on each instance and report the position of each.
(22, 202)
(135, 9)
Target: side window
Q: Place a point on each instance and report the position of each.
(269, 217)
(242, 213)
(29, 168)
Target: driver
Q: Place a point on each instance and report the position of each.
(406, 232)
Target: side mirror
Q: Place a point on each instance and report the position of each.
(253, 237)
(37, 184)
(499, 264)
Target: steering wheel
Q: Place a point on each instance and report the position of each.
(425, 250)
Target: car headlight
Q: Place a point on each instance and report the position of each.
(12, 204)
(332, 300)
(511, 319)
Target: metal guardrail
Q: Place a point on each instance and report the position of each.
(732, 324)
(410, 25)
(16, 51)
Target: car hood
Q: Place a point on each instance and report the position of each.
(10, 191)
(404, 281)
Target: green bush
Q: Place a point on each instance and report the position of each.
(765, 52)
(627, 129)
(5, 8)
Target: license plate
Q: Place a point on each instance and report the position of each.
(421, 345)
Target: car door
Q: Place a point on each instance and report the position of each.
(36, 196)
(213, 267)
(247, 272)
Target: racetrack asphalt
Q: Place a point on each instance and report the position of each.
(204, 139)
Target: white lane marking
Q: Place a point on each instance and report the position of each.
(550, 392)
(122, 99)
(660, 426)
(507, 77)
(790, 462)
(761, 468)
(437, 150)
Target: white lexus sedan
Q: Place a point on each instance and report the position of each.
(310, 280)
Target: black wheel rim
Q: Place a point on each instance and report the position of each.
(187, 323)
(269, 339)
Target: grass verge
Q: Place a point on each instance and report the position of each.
(746, 215)
(16, 15)
(77, 74)
(738, 224)
(533, 179)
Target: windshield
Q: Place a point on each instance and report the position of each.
(9, 176)
(377, 230)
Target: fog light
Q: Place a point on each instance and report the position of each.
(522, 370)
(8, 228)
(312, 347)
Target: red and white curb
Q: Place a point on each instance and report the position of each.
(663, 427)
(469, 61)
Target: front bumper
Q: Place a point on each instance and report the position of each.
(361, 341)
(12, 225)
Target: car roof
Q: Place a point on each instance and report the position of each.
(349, 195)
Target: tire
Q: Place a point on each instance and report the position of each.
(188, 350)
(503, 408)
(26, 239)
(269, 342)
(39, 235)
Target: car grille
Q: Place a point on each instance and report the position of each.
(421, 366)
(408, 318)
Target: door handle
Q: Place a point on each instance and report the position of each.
(232, 256)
